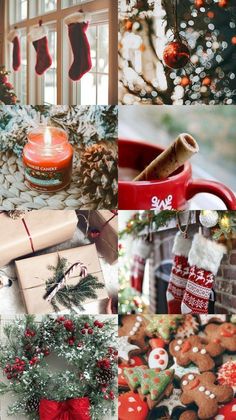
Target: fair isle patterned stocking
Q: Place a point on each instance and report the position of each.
(204, 259)
(179, 274)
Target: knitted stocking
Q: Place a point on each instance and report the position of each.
(77, 27)
(204, 258)
(140, 255)
(13, 37)
(38, 36)
(179, 274)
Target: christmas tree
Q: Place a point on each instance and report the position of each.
(7, 94)
(177, 52)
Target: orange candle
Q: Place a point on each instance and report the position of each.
(47, 159)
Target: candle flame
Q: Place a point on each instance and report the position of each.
(47, 137)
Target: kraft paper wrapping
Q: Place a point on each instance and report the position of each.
(39, 229)
(107, 243)
(33, 272)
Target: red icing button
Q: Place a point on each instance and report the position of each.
(156, 356)
(161, 362)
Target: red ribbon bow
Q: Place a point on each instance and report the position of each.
(73, 409)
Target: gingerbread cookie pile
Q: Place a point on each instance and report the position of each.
(177, 367)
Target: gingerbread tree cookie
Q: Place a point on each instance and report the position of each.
(193, 350)
(152, 384)
(163, 326)
(202, 390)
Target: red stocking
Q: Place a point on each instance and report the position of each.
(13, 37)
(140, 255)
(38, 36)
(204, 258)
(179, 274)
(77, 27)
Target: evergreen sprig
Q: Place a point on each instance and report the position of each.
(71, 296)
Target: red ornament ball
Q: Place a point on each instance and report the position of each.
(94, 233)
(90, 331)
(29, 333)
(233, 40)
(206, 81)
(185, 81)
(199, 3)
(176, 55)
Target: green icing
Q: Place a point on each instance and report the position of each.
(163, 325)
(149, 380)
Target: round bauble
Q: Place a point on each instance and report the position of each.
(209, 218)
(176, 55)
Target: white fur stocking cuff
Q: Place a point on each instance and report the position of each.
(206, 254)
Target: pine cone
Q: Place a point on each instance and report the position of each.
(32, 405)
(104, 376)
(98, 168)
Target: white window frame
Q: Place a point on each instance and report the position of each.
(105, 10)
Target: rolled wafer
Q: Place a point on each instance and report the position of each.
(171, 159)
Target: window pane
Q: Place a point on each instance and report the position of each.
(48, 5)
(88, 89)
(19, 78)
(67, 3)
(92, 38)
(102, 89)
(103, 46)
(18, 10)
(50, 77)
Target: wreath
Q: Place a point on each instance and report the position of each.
(86, 388)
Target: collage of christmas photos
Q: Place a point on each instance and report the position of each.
(117, 209)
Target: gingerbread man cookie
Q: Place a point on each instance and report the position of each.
(223, 335)
(193, 350)
(134, 326)
(151, 384)
(202, 390)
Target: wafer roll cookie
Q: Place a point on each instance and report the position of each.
(171, 159)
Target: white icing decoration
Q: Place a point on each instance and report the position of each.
(203, 351)
(153, 362)
(119, 404)
(190, 377)
(201, 388)
(124, 347)
(234, 407)
(139, 319)
(131, 399)
(137, 324)
(177, 348)
(212, 396)
(207, 392)
(130, 410)
(185, 383)
(195, 349)
(119, 371)
(139, 408)
(179, 342)
(132, 361)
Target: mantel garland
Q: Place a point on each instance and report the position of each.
(86, 344)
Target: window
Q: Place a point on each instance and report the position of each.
(55, 87)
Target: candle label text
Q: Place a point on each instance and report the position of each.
(46, 177)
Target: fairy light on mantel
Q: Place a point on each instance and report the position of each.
(48, 158)
(225, 222)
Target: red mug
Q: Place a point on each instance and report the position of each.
(171, 193)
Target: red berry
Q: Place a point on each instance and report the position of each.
(110, 350)
(68, 324)
(86, 325)
(106, 397)
(80, 345)
(96, 323)
(101, 325)
(60, 319)
(115, 352)
(104, 389)
(9, 376)
(90, 331)
(83, 331)
(71, 341)
(111, 395)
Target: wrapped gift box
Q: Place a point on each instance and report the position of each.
(107, 223)
(38, 229)
(33, 273)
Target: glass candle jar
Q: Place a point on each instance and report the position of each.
(47, 158)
